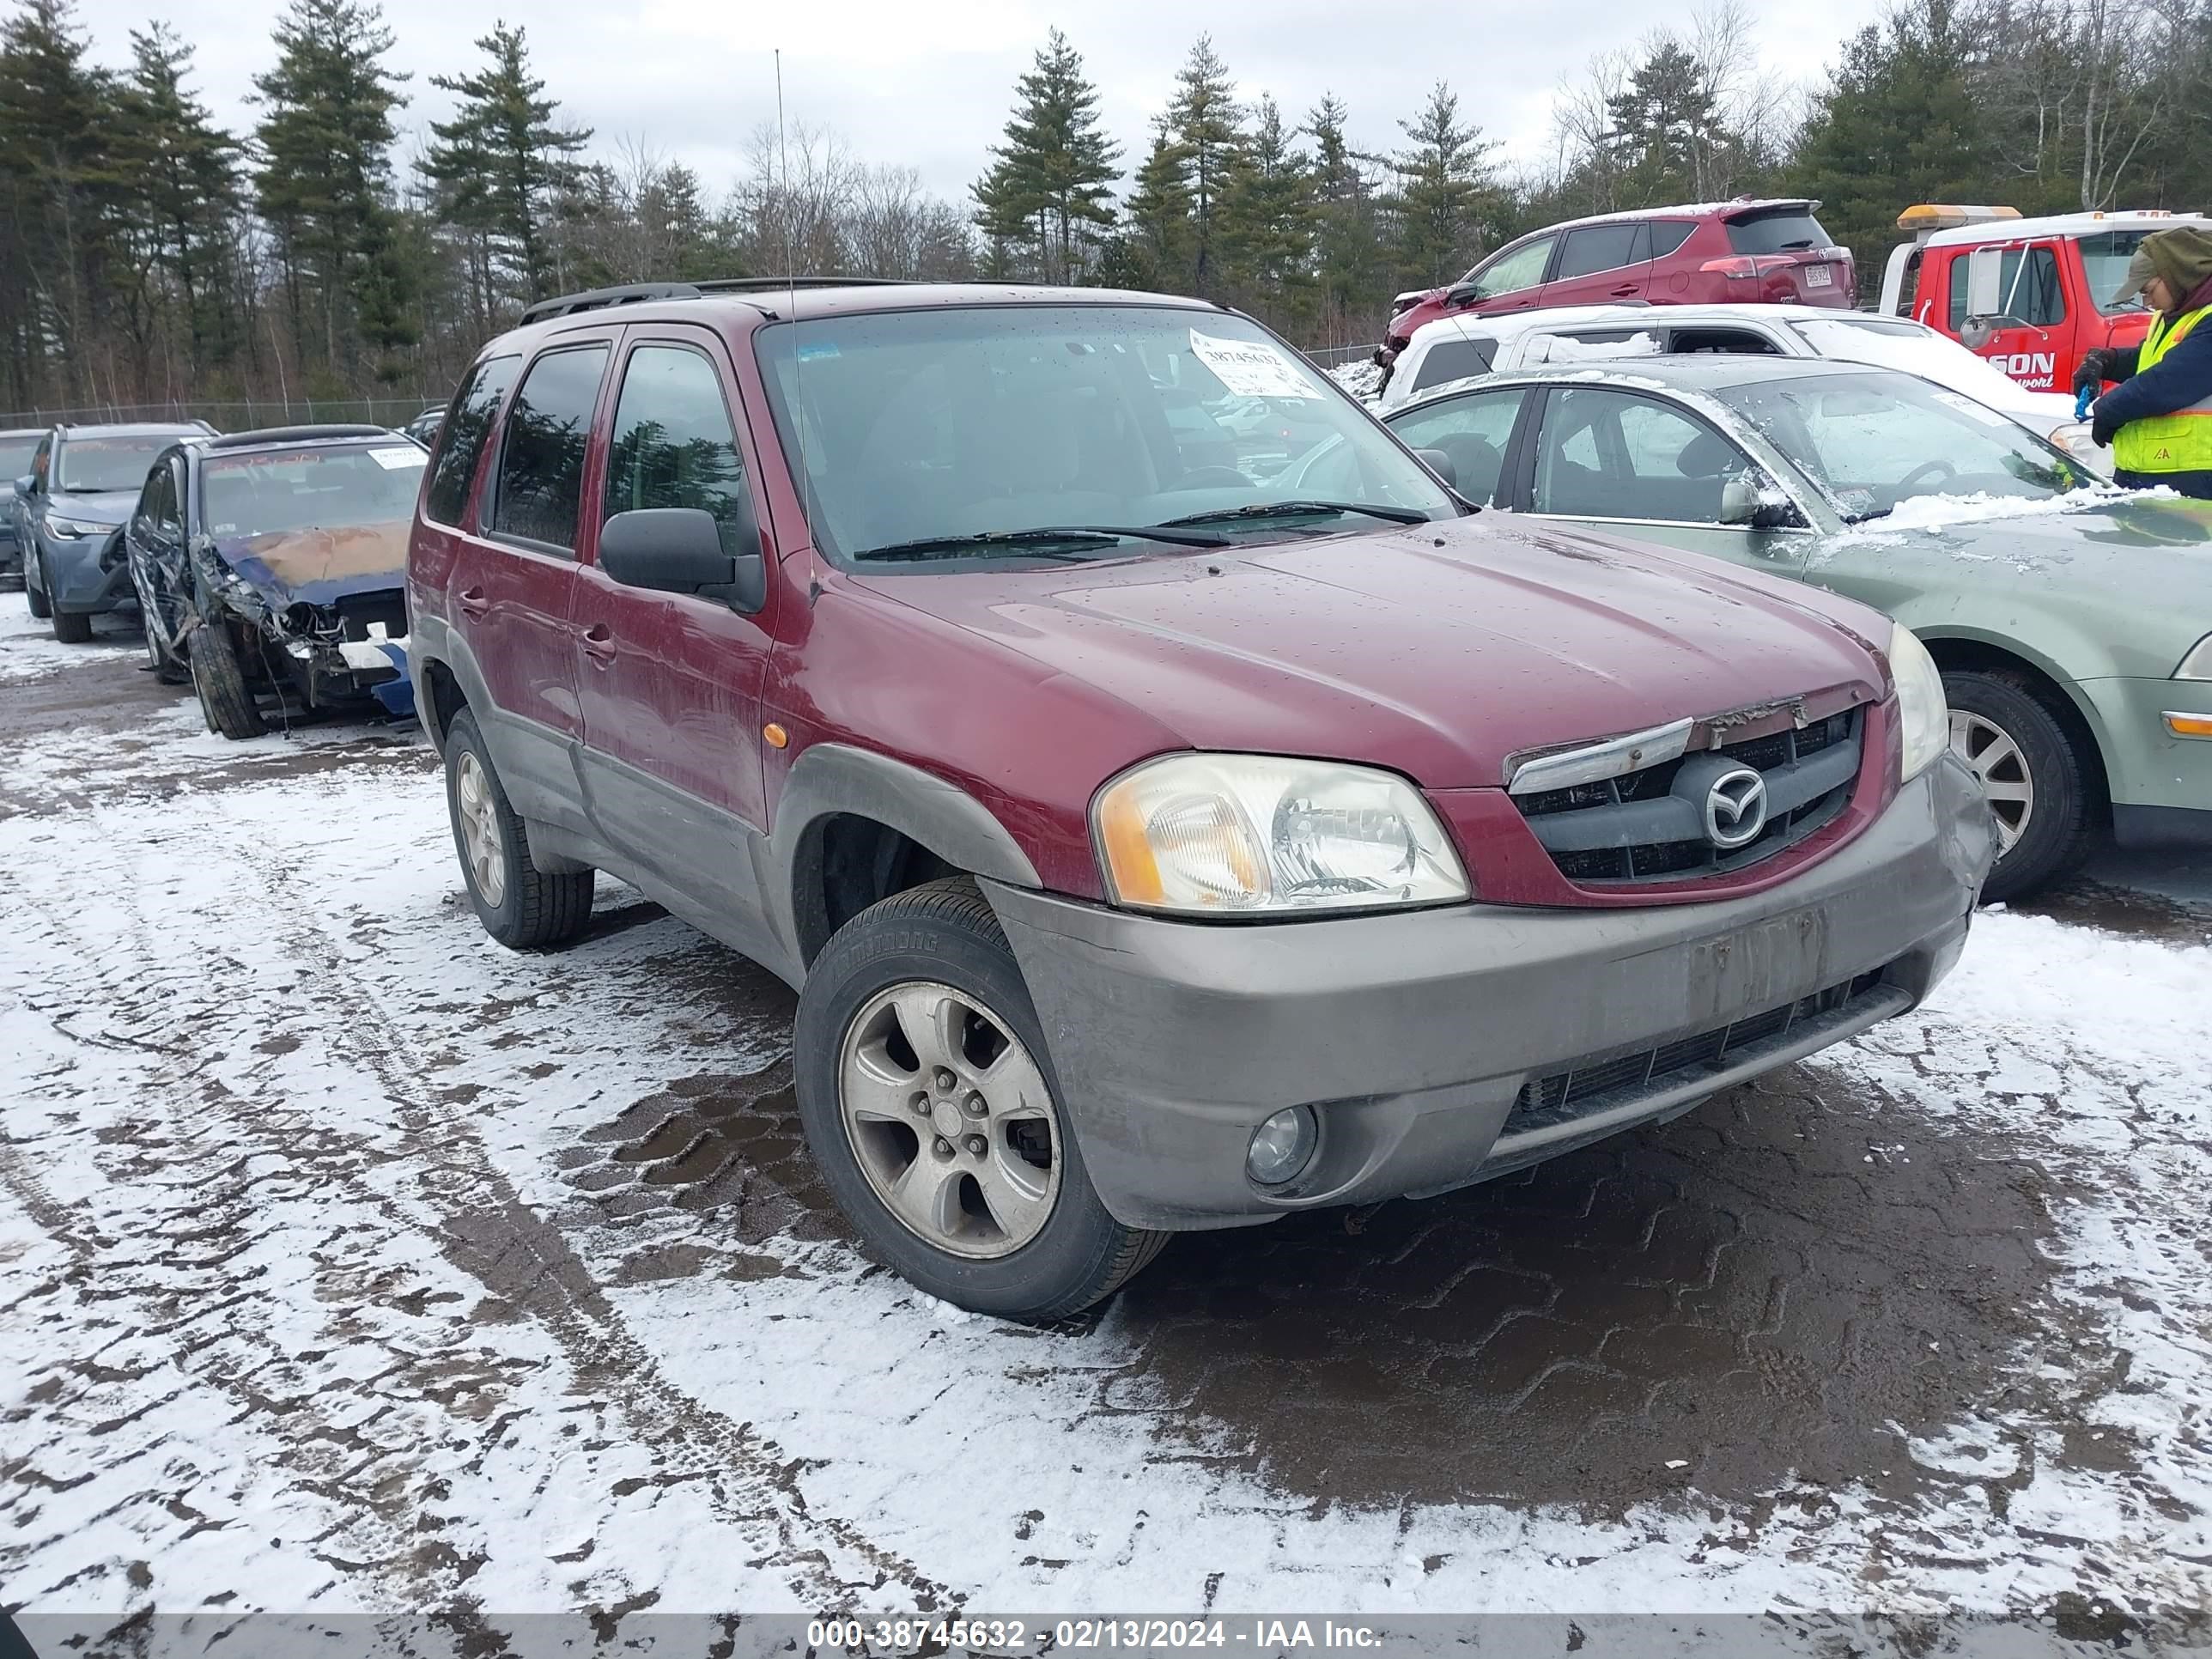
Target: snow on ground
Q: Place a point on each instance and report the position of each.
(328, 1278)
(1363, 378)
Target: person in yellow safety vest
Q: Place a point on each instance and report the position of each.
(2158, 418)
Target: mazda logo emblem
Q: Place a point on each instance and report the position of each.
(1736, 809)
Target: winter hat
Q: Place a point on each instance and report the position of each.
(2182, 255)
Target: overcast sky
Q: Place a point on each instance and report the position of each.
(928, 85)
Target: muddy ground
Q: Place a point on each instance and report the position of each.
(350, 1261)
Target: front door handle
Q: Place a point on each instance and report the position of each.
(1629, 292)
(472, 602)
(600, 643)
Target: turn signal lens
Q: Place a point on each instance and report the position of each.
(1227, 834)
(2189, 726)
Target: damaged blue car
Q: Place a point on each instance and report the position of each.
(271, 569)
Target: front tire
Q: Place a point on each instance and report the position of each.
(226, 699)
(930, 1105)
(2040, 784)
(523, 907)
(71, 627)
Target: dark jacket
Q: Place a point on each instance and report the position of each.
(2182, 377)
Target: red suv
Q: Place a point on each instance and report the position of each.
(1731, 253)
(1151, 847)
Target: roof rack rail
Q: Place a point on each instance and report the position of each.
(277, 435)
(597, 299)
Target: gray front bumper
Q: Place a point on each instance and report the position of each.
(75, 582)
(1412, 1036)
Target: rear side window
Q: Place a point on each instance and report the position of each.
(475, 407)
(1777, 232)
(673, 443)
(541, 457)
(1603, 247)
(1454, 360)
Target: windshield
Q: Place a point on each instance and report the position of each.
(277, 490)
(920, 427)
(1914, 348)
(2105, 266)
(1872, 439)
(89, 465)
(16, 459)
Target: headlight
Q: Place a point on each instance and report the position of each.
(2197, 664)
(1241, 835)
(71, 528)
(2077, 440)
(1921, 709)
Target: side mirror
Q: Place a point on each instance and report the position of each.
(1752, 500)
(26, 485)
(1440, 464)
(1465, 294)
(678, 550)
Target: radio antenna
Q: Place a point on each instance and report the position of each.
(787, 207)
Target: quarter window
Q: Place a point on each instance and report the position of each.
(673, 442)
(464, 434)
(541, 455)
(1605, 454)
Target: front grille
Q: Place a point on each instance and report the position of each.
(1599, 1085)
(1634, 828)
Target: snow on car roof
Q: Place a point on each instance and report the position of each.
(2058, 224)
(1564, 317)
(1690, 210)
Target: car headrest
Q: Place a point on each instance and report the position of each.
(1706, 456)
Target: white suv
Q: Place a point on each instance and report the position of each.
(1459, 347)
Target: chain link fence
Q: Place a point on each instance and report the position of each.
(1337, 356)
(246, 415)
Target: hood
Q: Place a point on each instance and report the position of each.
(1438, 651)
(2130, 574)
(106, 506)
(317, 566)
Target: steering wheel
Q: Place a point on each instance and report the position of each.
(1211, 478)
(1912, 478)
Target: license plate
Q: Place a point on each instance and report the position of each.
(1819, 277)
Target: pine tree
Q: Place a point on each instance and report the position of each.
(55, 112)
(1348, 260)
(1050, 183)
(325, 181)
(1897, 122)
(1156, 247)
(1207, 127)
(1444, 191)
(1665, 122)
(502, 159)
(1269, 219)
(182, 171)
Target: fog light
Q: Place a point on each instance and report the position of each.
(1282, 1146)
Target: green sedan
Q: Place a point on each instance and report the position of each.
(2073, 622)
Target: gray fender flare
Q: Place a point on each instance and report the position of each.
(832, 778)
(431, 641)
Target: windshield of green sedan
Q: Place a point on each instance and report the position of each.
(1871, 440)
(1065, 431)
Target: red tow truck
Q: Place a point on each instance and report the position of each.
(2029, 295)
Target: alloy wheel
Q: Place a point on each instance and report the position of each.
(950, 1119)
(1994, 755)
(480, 832)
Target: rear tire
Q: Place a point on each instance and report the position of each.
(2041, 786)
(523, 907)
(71, 627)
(994, 1229)
(34, 592)
(225, 697)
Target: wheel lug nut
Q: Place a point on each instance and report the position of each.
(975, 1106)
(977, 1145)
(921, 1105)
(944, 1081)
(944, 1147)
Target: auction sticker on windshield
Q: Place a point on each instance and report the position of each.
(1250, 369)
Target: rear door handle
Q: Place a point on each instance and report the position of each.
(472, 602)
(599, 642)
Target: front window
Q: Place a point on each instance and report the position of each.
(1876, 440)
(1475, 431)
(1520, 268)
(270, 492)
(91, 466)
(2104, 258)
(1068, 431)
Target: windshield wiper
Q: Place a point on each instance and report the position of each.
(1091, 535)
(1302, 510)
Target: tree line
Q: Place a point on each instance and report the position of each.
(149, 253)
